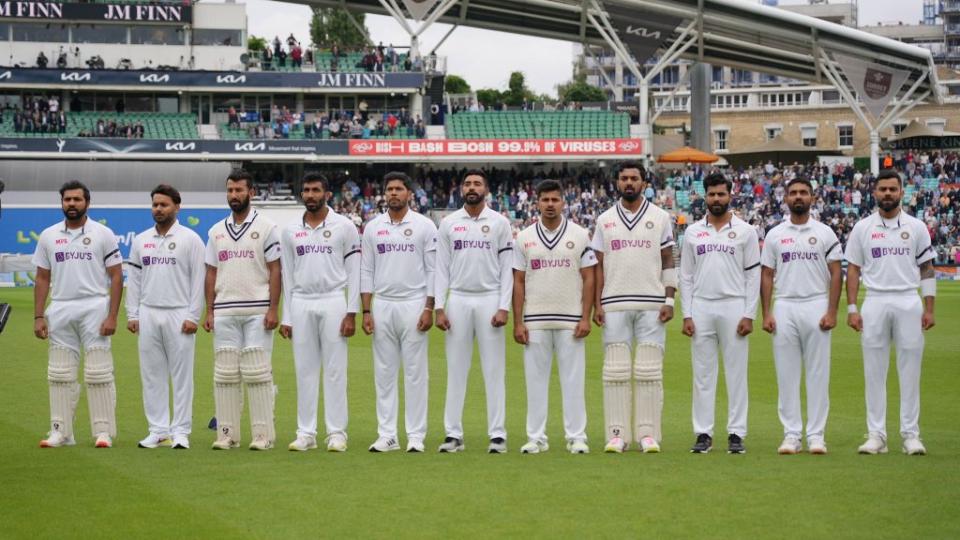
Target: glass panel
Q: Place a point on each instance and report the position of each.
(211, 36)
(168, 104)
(56, 33)
(223, 102)
(99, 33)
(157, 35)
(139, 102)
(4, 31)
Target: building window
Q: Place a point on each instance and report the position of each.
(831, 97)
(845, 136)
(4, 32)
(210, 36)
(937, 123)
(808, 136)
(720, 139)
(899, 127)
(99, 33)
(773, 132)
(52, 33)
(157, 35)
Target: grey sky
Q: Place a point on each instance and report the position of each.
(486, 58)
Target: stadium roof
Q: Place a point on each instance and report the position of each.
(729, 32)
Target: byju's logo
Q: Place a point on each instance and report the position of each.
(231, 79)
(250, 147)
(75, 77)
(154, 78)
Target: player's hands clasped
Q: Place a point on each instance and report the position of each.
(133, 326)
(745, 327)
(40, 328)
(855, 321)
(770, 324)
(443, 323)
(520, 334)
(108, 327)
(367, 323)
(425, 321)
(688, 327)
(499, 318)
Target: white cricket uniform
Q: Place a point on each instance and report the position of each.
(397, 267)
(78, 260)
(799, 255)
(889, 253)
(321, 285)
(165, 275)
(719, 286)
(551, 262)
(475, 264)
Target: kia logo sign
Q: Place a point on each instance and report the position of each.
(363, 148)
(6, 75)
(154, 78)
(180, 146)
(231, 79)
(642, 32)
(75, 77)
(250, 147)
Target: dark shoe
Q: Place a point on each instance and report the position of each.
(703, 445)
(735, 445)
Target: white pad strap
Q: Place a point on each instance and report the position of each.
(228, 394)
(101, 391)
(62, 369)
(258, 376)
(648, 395)
(616, 390)
(668, 276)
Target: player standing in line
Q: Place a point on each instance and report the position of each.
(475, 263)
(242, 287)
(397, 266)
(636, 283)
(320, 263)
(81, 258)
(892, 253)
(719, 289)
(553, 296)
(801, 269)
(165, 273)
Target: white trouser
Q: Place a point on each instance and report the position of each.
(895, 317)
(716, 331)
(318, 345)
(470, 316)
(634, 327)
(166, 355)
(241, 332)
(800, 345)
(396, 342)
(537, 363)
(75, 324)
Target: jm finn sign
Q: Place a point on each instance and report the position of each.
(155, 13)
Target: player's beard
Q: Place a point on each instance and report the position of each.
(163, 220)
(312, 206)
(799, 208)
(240, 205)
(472, 198)
(888, 205)
(629, 196)
(718, 210)
(74, 214)
(395, 204)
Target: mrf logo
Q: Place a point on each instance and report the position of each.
(878, 236)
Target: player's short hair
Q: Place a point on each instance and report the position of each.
(313, 177)
(887, 174)
(397, 175)
(801, 180)
(548, 185)
(168, 190)
(624, 165)
(476, 172)
(717, 179)
(241, 175)
(75, 184)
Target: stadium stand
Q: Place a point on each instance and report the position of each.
(538, 125)
(85, 124)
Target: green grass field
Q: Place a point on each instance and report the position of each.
(128, 492)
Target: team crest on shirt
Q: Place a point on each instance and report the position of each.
(485, 229)
(731, 235)
(648, 225)
(905, 235)
(86, 241)
(172, 246)
(327, 234)
(254, 235)
(408, 232)
(812, 240)
(570, 244)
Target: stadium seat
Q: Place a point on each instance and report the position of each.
(538, 125)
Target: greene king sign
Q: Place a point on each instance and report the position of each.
(96, 12)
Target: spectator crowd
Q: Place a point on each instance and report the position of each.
(337, 124)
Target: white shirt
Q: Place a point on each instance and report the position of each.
(474, 255)
(166, 271)
(77, 259)
(889, 252)
(397, 260)
(271, 247)
(718, 265)
(800, 255)
(321, 260)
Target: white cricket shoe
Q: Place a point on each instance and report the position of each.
(876, 444)
(451, 445)
(55, 439)
(790, 446)
(104, 441)
(498, 445)
(578, 447)
(415, 445)
(615, 445)
(224, 443)
(913, 447)
(181, 442)
(303, 443)
(649, 445)
(153, 441)
(534, 447)
(336, 442)
(262, 443)
(816, 446)
(385, 444)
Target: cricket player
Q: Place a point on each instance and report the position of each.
(801, 269)
(397, 264)
(242, 288)
(892, 253)
(475, 264)
(82, 260)
(719, 289)
(636, 284)
(165, 273)
(552, 299)
(320, 263)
